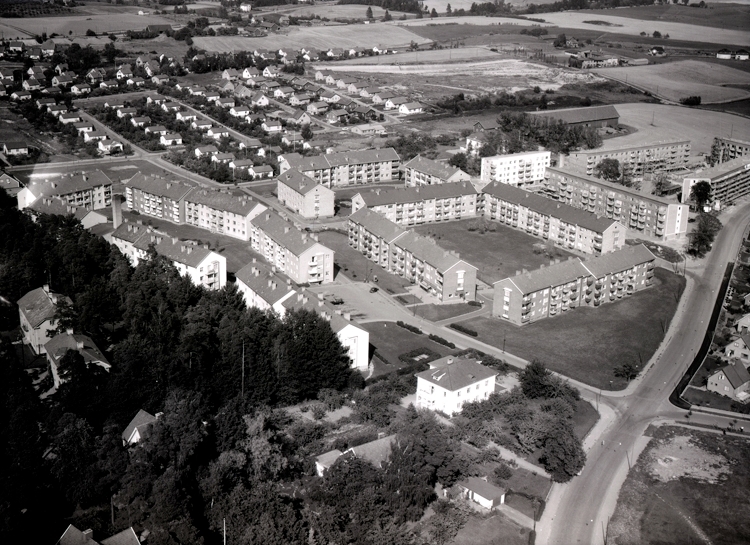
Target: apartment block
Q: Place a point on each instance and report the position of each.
(221, 212)
(440, 273)
(562, 286)
(263, 287)
(346, 167)
(294, 252)
(92, 190)
(561, 224)
(648, 214)
(729, 180)
(157, 197)
(423, 171)
(518, 169)
(422, 204)
(731, 148)
(303, 195)
(635, 160)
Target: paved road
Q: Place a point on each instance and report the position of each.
(577, 512)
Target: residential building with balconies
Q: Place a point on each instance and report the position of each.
(303, 195)
(373, 235)
(563, 225)
(517, 169)
(92, 190)
(636, 211)
(729, 181)
(423, 171)
(634, 160)
(221, 212)
(731, 148)
(262, 287)
(346, 167)
(157, 197)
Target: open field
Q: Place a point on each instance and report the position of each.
(379, 34)
(633, 27)
(509, 75)
(79, 24)
(677, 80)
(677, 123)
(605, 334)
(724, 16)
(488, 531)
(469, 20)
(413, 57)
(162, 44)
(687, 487)
(498, 254)
(348, 11)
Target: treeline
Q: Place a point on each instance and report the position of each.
(408, 6)
(568, 5)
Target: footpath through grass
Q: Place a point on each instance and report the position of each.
(587, 344)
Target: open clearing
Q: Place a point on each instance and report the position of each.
(634, 27)
(415, 57)
(677, 123)
(349, 11)
(380, 35)
(486, 77)
(79, 24)
(687, 487)
(560, 342)
(677, 80)
(734, 16)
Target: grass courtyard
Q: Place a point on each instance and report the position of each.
(497, 252)
(587, 344)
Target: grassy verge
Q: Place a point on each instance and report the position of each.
(587, 344)
(708, 399)
(679, 510)
(435, 313)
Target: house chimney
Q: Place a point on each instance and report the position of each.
(347, 316)
(116, 211)
(46, 288)
(88, 535)
(69, 330)
(79, 345)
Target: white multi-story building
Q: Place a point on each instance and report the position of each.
(346, 167)
(302, 195)
(451, 383)
(518, 169)
(634, 160)
(222, 212)
(37, 311)
(264, 288)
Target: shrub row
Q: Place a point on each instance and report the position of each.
(409, 327)
(464, 330)
(442, 341)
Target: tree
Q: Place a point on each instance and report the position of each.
(433, 13)
(560, 41)
(702, 237)
(387, 16)
(700, 193)
(717, 153)
(661, 183)
(368, 14)
(657, 34)
(608, 169)
(307, 132)
(448, 10)
(628, 371)
(562, 455)
(90, 32)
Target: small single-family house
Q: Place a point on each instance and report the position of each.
(139, 428)
(732, 381)
(171, 139)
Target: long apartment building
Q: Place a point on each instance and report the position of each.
(423, 204)
(651, 215)
(562, 224)
(263, 287)
(729, 180)
(731, 148)
(423, 171)
(204, 267)
(563, 286)
(346, 167)
(216, 211)
(91, 190)
(294, 252)
(635, 160)
(518, 169)
(419, 259)
(302, 195)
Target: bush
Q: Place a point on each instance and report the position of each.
(409, 327)
(442, 341)
(691, 101)
(465, 330)
(474, 303)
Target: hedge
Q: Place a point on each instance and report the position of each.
(465, 330)
(409, 327)
(442, 341)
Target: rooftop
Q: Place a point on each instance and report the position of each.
(263, 279)
(609, 185)
(39, 305)
(548, 277)
(619, 260)
(454, 374)
(64, 185)
(242, 205)
(379, 197)
(159, 186)
(59, 345)
(736, 374)
(141, 419)
(433, 168)
(580, 115)
(426, 249)
(298, 181)
(377, 224)
(376, 452)
(284, 233)
(738, 164)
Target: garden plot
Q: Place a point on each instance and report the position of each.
(677, 80)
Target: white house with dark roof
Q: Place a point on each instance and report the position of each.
(302, 195)
(481, 492)
(738, 348)
(138, 428)
(450, 383)
(37, 310)
(74, 536)
(57, 347)
(732, 381)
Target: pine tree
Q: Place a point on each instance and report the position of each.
(387, 16)
(369, 12)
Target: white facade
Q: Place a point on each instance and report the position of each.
(518, 169)
(450, 384)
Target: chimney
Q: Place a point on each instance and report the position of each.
(286, 230)
(79, 345)
(69, 330)
(254, 260)
(116, 211)
(270, 282)
(320, 303)
(299, 297)
(174, 240)
(347, 316)
(88, 535)
(46, 288)
(320, 296)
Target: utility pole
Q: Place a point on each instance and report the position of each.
(243, 384)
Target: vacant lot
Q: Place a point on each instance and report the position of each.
(432, 56)
(677, 80)
(378, 34)
(725, 16)
(687, 487)
(498, 254)
(587, 344)
(79, 24)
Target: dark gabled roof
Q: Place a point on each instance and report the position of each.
(482, 488)
(433, 168)
(549, 277)
(548, 207)
(376, 452)
(59, 345)
(426, 249)
(298, 182)
(380, 197)
(377, 224)
(284, 233)
(161, 187)
(618, 261)
(736, 374)
(265, 282)
(141, 419)
(581, 115)
(126, 537)
(39, 305)
(242, 205)
(455, 374)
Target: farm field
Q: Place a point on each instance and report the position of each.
(413, 57)
(349, 11)
(633, 27)
(79, 24)
(161, 44)
(379, 34)
(498, 254)
(724, 16)
(677, 80)
(469, 20)
(687, 486)
(558, 342)
(677, 123)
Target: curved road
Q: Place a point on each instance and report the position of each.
(579, 511)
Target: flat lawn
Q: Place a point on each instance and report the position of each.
(437, 55)
(79, 24)
(587, 344)
(357, 267)
(436, 313)
(391, 341)
(584, 418)
(497, 254)
(707, 399)
(677, 80)
(704, 501)
(490, 531)
(526, 482)
(343, 11)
